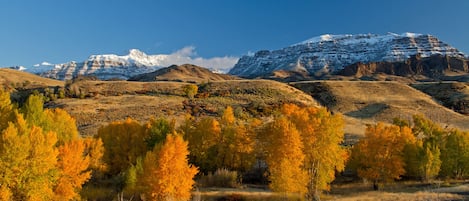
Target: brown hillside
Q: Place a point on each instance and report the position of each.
(368, 102)
(186, 73)
(17, 79)
(107, 101)
(453, 95)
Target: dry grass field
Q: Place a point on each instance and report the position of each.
(402, 191)
(365, 102)
(107, 101)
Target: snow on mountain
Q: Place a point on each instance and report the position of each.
(111, 66)
(330, 53)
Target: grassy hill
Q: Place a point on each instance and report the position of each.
(106, 101)
(364, 102)
(453, 95)
(17, 79)
(185, 72)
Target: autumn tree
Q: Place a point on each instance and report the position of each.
(7, 110)
(284, 157)
(28, 159)
(378, 157)
(167, 175)
(236, 143)
(190, 90)
(124, 142)
(422, 158)
(74, 169)
(321, 132)
(202, 136)
(52, 156)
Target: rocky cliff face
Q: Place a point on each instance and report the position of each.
(330, 53)
(433, 67)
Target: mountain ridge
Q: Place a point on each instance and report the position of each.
(329, 53)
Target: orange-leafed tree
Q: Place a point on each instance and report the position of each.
(167, 175)
(284, 157)
(74, 169)
(379, 156)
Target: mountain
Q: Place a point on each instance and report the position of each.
(434, 67)
(327, 54)
(136, 62)
(107, 66)
(185, 72)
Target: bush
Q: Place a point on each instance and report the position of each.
(221, 178)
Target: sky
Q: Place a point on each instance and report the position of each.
(59, 31)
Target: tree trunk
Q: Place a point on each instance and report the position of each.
(375, 186)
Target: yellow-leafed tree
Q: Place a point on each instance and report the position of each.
(321, 132)
(203, 136)
(284, 157)
(167, 175)
(379, 156)
(124, 142)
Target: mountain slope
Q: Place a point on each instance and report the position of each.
(364, 102)
(17, 79)
(329, 53)
(107, 101)
(185, 72)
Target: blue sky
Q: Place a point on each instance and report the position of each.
(59, 31)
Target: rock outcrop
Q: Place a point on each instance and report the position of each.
(434, 67)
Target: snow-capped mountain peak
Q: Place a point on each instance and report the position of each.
(110, 66)
(330, 53)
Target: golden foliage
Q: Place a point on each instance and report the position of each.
(321, 132)
(379, 156)
(166, 172)
(284, 157)
(74, 170)
(124, 142)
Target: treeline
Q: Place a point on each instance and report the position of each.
(296, 150)
(291, 144)
(420, 150)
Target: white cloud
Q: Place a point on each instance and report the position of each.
(188, 55)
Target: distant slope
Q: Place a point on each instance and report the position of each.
(364, 102)
(453, 95)
(107, 101)
(185, 72)
(17, 79)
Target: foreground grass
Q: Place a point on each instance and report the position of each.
(345, 192)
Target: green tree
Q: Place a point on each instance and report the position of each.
(455, 155)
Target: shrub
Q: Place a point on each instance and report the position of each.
(221, 178)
